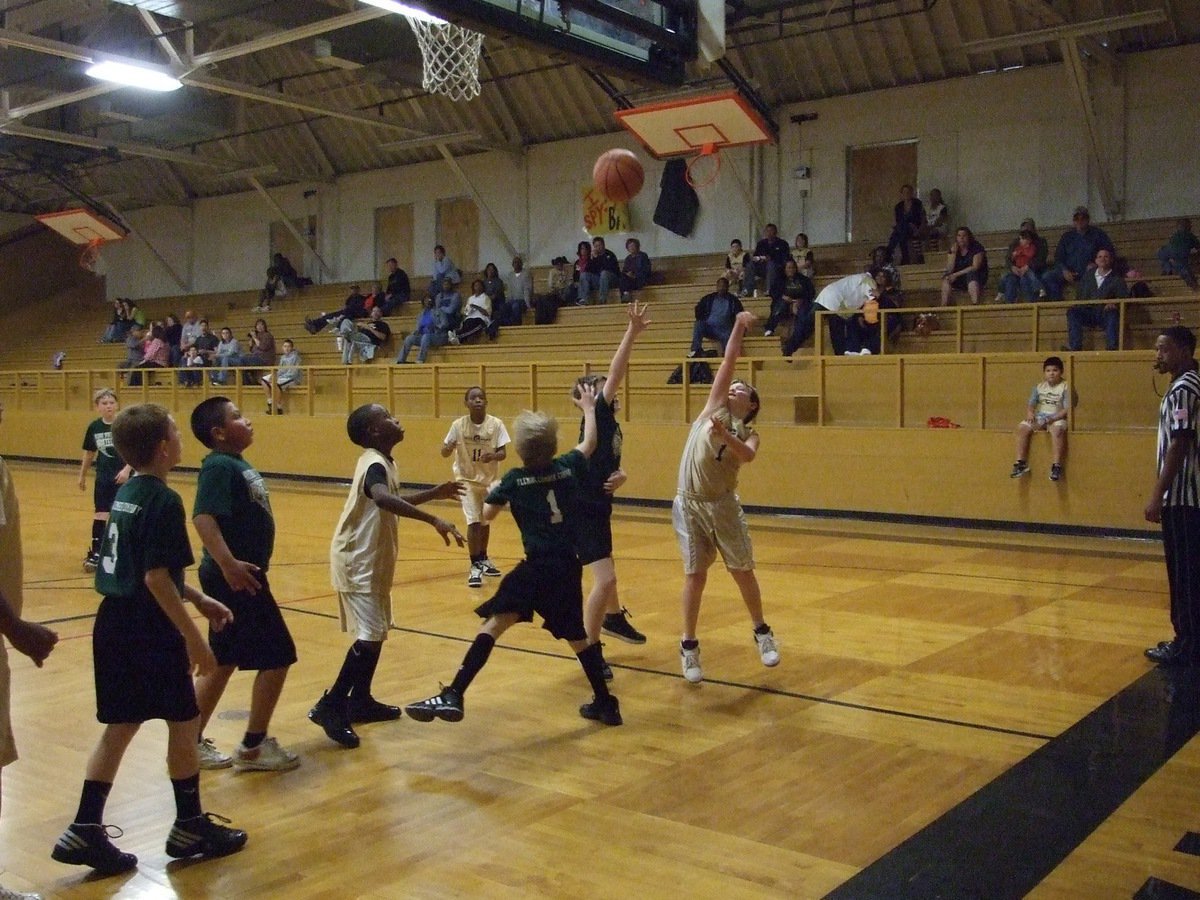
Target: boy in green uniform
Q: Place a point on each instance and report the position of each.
(549, 581)
(111, 471)
(232, 515)
(145, 647)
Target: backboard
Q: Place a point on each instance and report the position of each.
(696, 125)
(81, 226)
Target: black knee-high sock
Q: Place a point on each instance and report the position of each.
(351, 672)
(97, 534)
(592, 660)
(368, 660)
(187, 796)
(476, 659)
(91, 802)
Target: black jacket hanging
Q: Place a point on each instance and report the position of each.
(678, 204)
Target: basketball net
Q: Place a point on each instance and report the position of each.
(90, 255)
(706, 151)
(450, 57)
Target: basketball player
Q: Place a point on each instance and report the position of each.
(111, 471)
(707, 515)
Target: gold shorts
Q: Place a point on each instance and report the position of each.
(706, 527)
(368, 616)
(472, 500)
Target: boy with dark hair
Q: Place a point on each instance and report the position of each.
(111, 471)
(362, 560)
(549, 581)
(479, 443)
(1047, 411)
(145, 648)
(232, 515)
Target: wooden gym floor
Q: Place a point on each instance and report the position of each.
(957, 714)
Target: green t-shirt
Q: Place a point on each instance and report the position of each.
(98, 439)
(147, 529)
(231, 491)
(542, 502)
(607, 457)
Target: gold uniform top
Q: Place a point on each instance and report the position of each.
(488, 435)
(11, 561)
(707, 470)
(362, 556)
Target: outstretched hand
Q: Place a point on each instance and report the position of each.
(449, 490)
(639, 317)
(587, 397)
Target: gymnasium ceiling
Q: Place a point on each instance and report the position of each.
(281, 114)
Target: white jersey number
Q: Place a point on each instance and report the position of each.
(109, 562)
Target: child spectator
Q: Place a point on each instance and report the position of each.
(1048, 405)
(232, 515)
(549, 581)
(937, 216)
(1177, 253)
(478, 317)
(738, 268)
(707, 514)
(795, 300)
(286, 375)
(146, 647)
(193, 359)
(478, 442)
(111, 470)
(33, 640)
(1022, 274)
(805, 262)
(155, 354)
(362, 559)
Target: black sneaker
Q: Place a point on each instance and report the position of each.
(446, 705)
(90, 562)
(88, 845)
(1055, 472)
(607, 710)
(310, 326)
(204, 836)
(368, 709)
(617, 625)
(333, 717)
(1020, 467)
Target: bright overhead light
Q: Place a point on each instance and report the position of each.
(143, 77)
(405, 10)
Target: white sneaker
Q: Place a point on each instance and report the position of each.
(211, 757)
(769, 332)
(768, 650)
(340, 342)
(864, 352)
(266, 757)
(452, 337)
(8, 894)
(691, 664)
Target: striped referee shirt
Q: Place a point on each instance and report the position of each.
(1179, 414)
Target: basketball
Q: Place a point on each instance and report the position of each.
(618, 175)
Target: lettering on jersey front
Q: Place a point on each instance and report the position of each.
(104, 443)
(548, 478)
(258, 488)
(123, 506)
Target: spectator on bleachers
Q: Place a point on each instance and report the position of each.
(477, 317)
(739, 268)
(119, 325)
(134, 339)
(1100, 283)
(207, 343)
(355, 307)
(844, 297)
(444, 317)
(560, 291)
(869, 324)
(635, 270)
(192, 363)
(135, 314)
(603, 270)
(1176, 255)
(881, 261)
(292, 279)
(1075, 253)
(518, 293)
(228, 352)
(188, 332)
(155, 354)
(770, 255)
(1023, 267)
(493, 286)
(805, 261)
(173, 335)
(966, 267)
(937, 216)
(424, 326)
(798, 295)
(365, 337)
(286, 376)
(715, 314)
(398, 290)
(443, 268)
(260, 345)
(580, 275)
(272, 289)
(1046, 410)
(909, 215)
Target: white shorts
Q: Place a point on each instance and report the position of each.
(8, 747)
(366, 615)
(706, 527)
(1040, 422)
(283, 382)
(472, 500)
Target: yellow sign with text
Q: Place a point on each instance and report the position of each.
(603, 216)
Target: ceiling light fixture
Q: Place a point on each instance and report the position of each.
(145, 77)
(405, 10)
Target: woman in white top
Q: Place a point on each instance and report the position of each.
(477, 316)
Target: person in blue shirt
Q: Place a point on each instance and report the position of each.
(1075, 253)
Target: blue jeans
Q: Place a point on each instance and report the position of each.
(716, 332)
(1079, 317)
(426, 340)
(1054, 281)
(601, 283)
(1176, 265)
(1011, 285)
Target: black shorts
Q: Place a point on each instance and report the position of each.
(552, 587)
(593, 530)
(141, 664)
(104, 492)
(257, 638)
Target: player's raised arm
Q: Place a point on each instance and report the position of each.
(587, 403)
(717, 395)
(638, 322)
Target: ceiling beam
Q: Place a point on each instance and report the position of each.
(1066, 31)
(1077, 70)
(99, 89)
(127, 148)
(161, 39)
(267, 41)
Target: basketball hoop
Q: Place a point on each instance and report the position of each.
(450, 57)
(90, 255)
(707, 150)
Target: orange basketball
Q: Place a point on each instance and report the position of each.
(618, 175)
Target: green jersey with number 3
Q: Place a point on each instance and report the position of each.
(147, 529)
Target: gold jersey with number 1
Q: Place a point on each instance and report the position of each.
(707, 470)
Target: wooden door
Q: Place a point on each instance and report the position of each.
(394, 237)
(875, 175)
(458, 232)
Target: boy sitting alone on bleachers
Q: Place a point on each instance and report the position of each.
(1048, 405)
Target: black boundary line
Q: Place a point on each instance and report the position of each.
(1096, 531)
